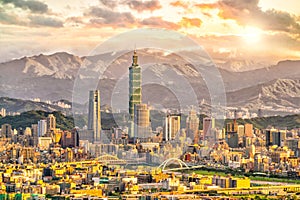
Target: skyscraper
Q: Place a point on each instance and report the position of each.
(192, 126)
(94, 116)
(42, 128)
(232, 134)
(70, 138)
(142, 128)
(34, 140)
(172, 126)
(275, 137)
(135, 90)
(249, 130)
(51, 123)
(208, 125)
(6, 131)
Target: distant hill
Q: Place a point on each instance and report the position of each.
(289, 122)
(110, 120)
(63, 122)
(20, 106)
(54, 77)
(32, 117)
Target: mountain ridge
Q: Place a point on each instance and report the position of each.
(52, 77)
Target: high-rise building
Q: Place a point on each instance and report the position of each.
(6, 131)
(192, 126)
(51, 123)
(94, 116)
(172, 126)
(275, 137)
(70, 138)
(232, 137)
(208, 126)
(34, 139)
(135, 90)
(232, 127)
(249, 130)
(142, 128)
(42, 128)
(241, 131)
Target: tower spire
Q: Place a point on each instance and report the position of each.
(135, 58)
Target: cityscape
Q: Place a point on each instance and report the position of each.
(160, 109)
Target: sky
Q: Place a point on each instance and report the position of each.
(257, 30)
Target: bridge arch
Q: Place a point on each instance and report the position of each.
(172, 160)
(110, 159)
(107, 157)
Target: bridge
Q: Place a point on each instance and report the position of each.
(110, 160)
(182, 165)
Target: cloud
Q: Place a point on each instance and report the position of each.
(105, 16)
(141, 6)
(40, 20)
(247, 12)
(159, 22)
(110, 17)
(190, 22)
(8, 18)
(32, 5)
(109, 3)
(179, 4)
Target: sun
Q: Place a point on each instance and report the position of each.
(251, 35)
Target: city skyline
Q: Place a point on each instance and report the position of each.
(224, 28)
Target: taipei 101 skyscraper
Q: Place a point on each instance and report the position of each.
(135, 90)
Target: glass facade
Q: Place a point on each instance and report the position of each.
(135, 91)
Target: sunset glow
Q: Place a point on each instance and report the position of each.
(78, 26)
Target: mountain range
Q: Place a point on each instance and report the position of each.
(168, 80)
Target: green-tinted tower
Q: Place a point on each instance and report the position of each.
(135, 90)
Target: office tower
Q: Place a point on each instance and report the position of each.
(172, 126)
(249, 130)
(70, 139)
(142, 128)
(34, 139)
(51, 123)
(232, 138)
(135, 90)
(275, 137)
(278, 137)
(192, 126)
(42, 128)
(208, 126)
(6, 131)
(241, 131)
(232, 126)
(94, 118)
